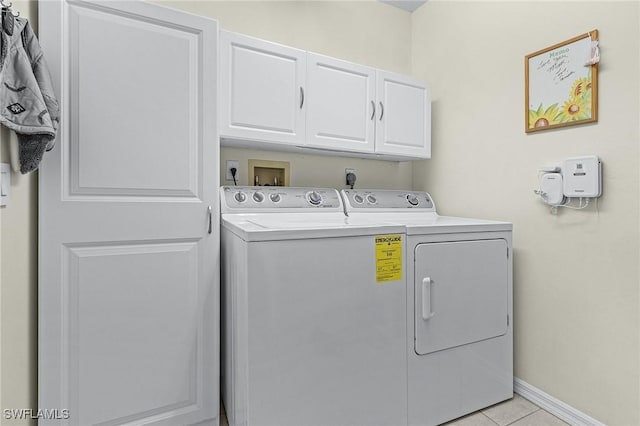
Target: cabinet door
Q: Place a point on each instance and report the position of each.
(341, 104)
(461, 293)
(403, 124)
(262, 90)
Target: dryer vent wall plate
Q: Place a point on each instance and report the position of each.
(551, 188)
(582, 177)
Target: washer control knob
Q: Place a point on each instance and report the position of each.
(275, 197)
(314, 198)
(371, 199)
(258, 197)
(240, 197)
(358, 198)
(412, 199)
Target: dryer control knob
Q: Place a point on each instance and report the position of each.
(240, 197)
(274, 197)
(258, 197)
(371, 199)
(412, 199)
(314, 198)
(358, 198)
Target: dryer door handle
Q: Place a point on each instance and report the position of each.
(427, 312)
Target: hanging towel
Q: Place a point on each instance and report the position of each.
(27, 101)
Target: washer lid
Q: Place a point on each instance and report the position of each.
(293, 226)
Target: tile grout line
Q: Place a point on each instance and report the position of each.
(524, 417)
(490, 419)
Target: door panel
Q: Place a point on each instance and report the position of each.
(262, 89)
(137, 349)
(149, 96)
(128, 273)
(404, 118)
(341, 104)
(461, 293)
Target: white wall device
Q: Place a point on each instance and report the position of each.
(551, 189)
(576, 177)
(582, 177)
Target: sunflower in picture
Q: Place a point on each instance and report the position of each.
(543, 117)
(575, 108)
(578, 106)
(581, 87)
(586, 99)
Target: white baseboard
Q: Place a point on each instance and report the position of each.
(553, 405)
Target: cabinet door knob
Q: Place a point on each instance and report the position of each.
(373, 112)
(301, 97)
(381, 111)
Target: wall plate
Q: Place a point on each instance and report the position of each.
(5, 183)
(230, 164)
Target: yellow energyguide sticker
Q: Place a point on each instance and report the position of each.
(388, 258)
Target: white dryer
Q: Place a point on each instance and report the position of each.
(313, 321)
(459, 299)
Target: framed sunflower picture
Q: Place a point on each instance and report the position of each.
(561, 84)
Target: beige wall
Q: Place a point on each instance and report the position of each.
(18, 277)
(365, 32)
(576, 273)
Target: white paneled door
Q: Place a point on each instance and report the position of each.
(128, 222)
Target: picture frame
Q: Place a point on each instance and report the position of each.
(560, 90)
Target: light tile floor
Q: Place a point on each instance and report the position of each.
(514, 412)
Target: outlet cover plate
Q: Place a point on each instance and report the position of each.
(230, 165)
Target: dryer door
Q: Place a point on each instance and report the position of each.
(461, 293)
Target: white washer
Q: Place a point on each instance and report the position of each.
(309, 336)
(459, 299)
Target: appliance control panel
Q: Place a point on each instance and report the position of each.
(381, 199)
(265, 198)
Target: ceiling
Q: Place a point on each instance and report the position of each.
(408, 5)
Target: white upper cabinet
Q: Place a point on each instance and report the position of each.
(276, 97)
(341, 105)
(262, 90)
(404, 116)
